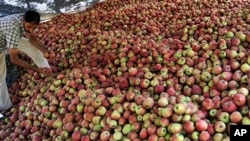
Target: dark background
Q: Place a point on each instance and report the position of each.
(56, 5)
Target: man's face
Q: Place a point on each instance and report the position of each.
(29, 27)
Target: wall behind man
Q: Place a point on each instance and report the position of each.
(8, 7)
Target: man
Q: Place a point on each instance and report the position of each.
(12, 29)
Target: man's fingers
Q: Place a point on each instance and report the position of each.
(51, 75)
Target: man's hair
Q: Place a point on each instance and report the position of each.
(32, 16)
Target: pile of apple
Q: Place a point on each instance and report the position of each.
(168, 70)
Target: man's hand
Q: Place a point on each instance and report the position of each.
(47, 72)
(41, 70)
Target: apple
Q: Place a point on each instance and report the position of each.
(161, 131)
(154, 82)
(174, 128)
(204, 136)
(132, 71)
(243, 90)
(223, 116)
(196, 89)
(76, 136)
(239, 99)
(208, 104)
(143, 133)
(148, 103)
(189, 126)
(164, 73)
(179, 108)
(218, 136)
(166, 112)
(85, 138)
(201, 125)
(195, 135)
(126, 129)
(115, 115)
(153, 137)
(105, 135)
(148, 75)
(144, 83)
(162, 102)
(177, 118)
(229, 106)
(213, 113)
(58, 123)
(245, 67)
(222, 85)
(206, 76)
(244, 110)
(220, 126)
(245, 120)
(177, 137)
(235, 41)
(235, 117)
(159, 89)
(101, 111)
(117, 135)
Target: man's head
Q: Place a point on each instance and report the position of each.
(31, 20)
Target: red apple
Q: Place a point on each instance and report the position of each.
(189, 126)
(235, 117)
(239, 99)
(229, 106)
(201, 125)
(204, 136)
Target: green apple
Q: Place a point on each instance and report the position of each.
(223, 116)
(206, 76)
(174, 128)
(148, 75)
(186, 118)
(218, 136)
(58, 123)
(222, 54)
(177, 137)
(115, 115)
(112, 123)
(162, 102)
(178, 54)
(181, 61)
(97, 128)
(213, 113)
(229, 34)
(166, 112)
(179, 108)
(146, 116)
(245, 67)
(79, 107)
(220, 126)
(154, 82)
(195, 135)
(190, 53)
(96, 119)
(126, 129)
(101, 111)
(245, 120)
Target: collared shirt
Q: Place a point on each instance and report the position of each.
(11, 31)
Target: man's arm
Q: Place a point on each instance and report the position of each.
(16, 60)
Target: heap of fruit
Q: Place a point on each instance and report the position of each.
(138, 70)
